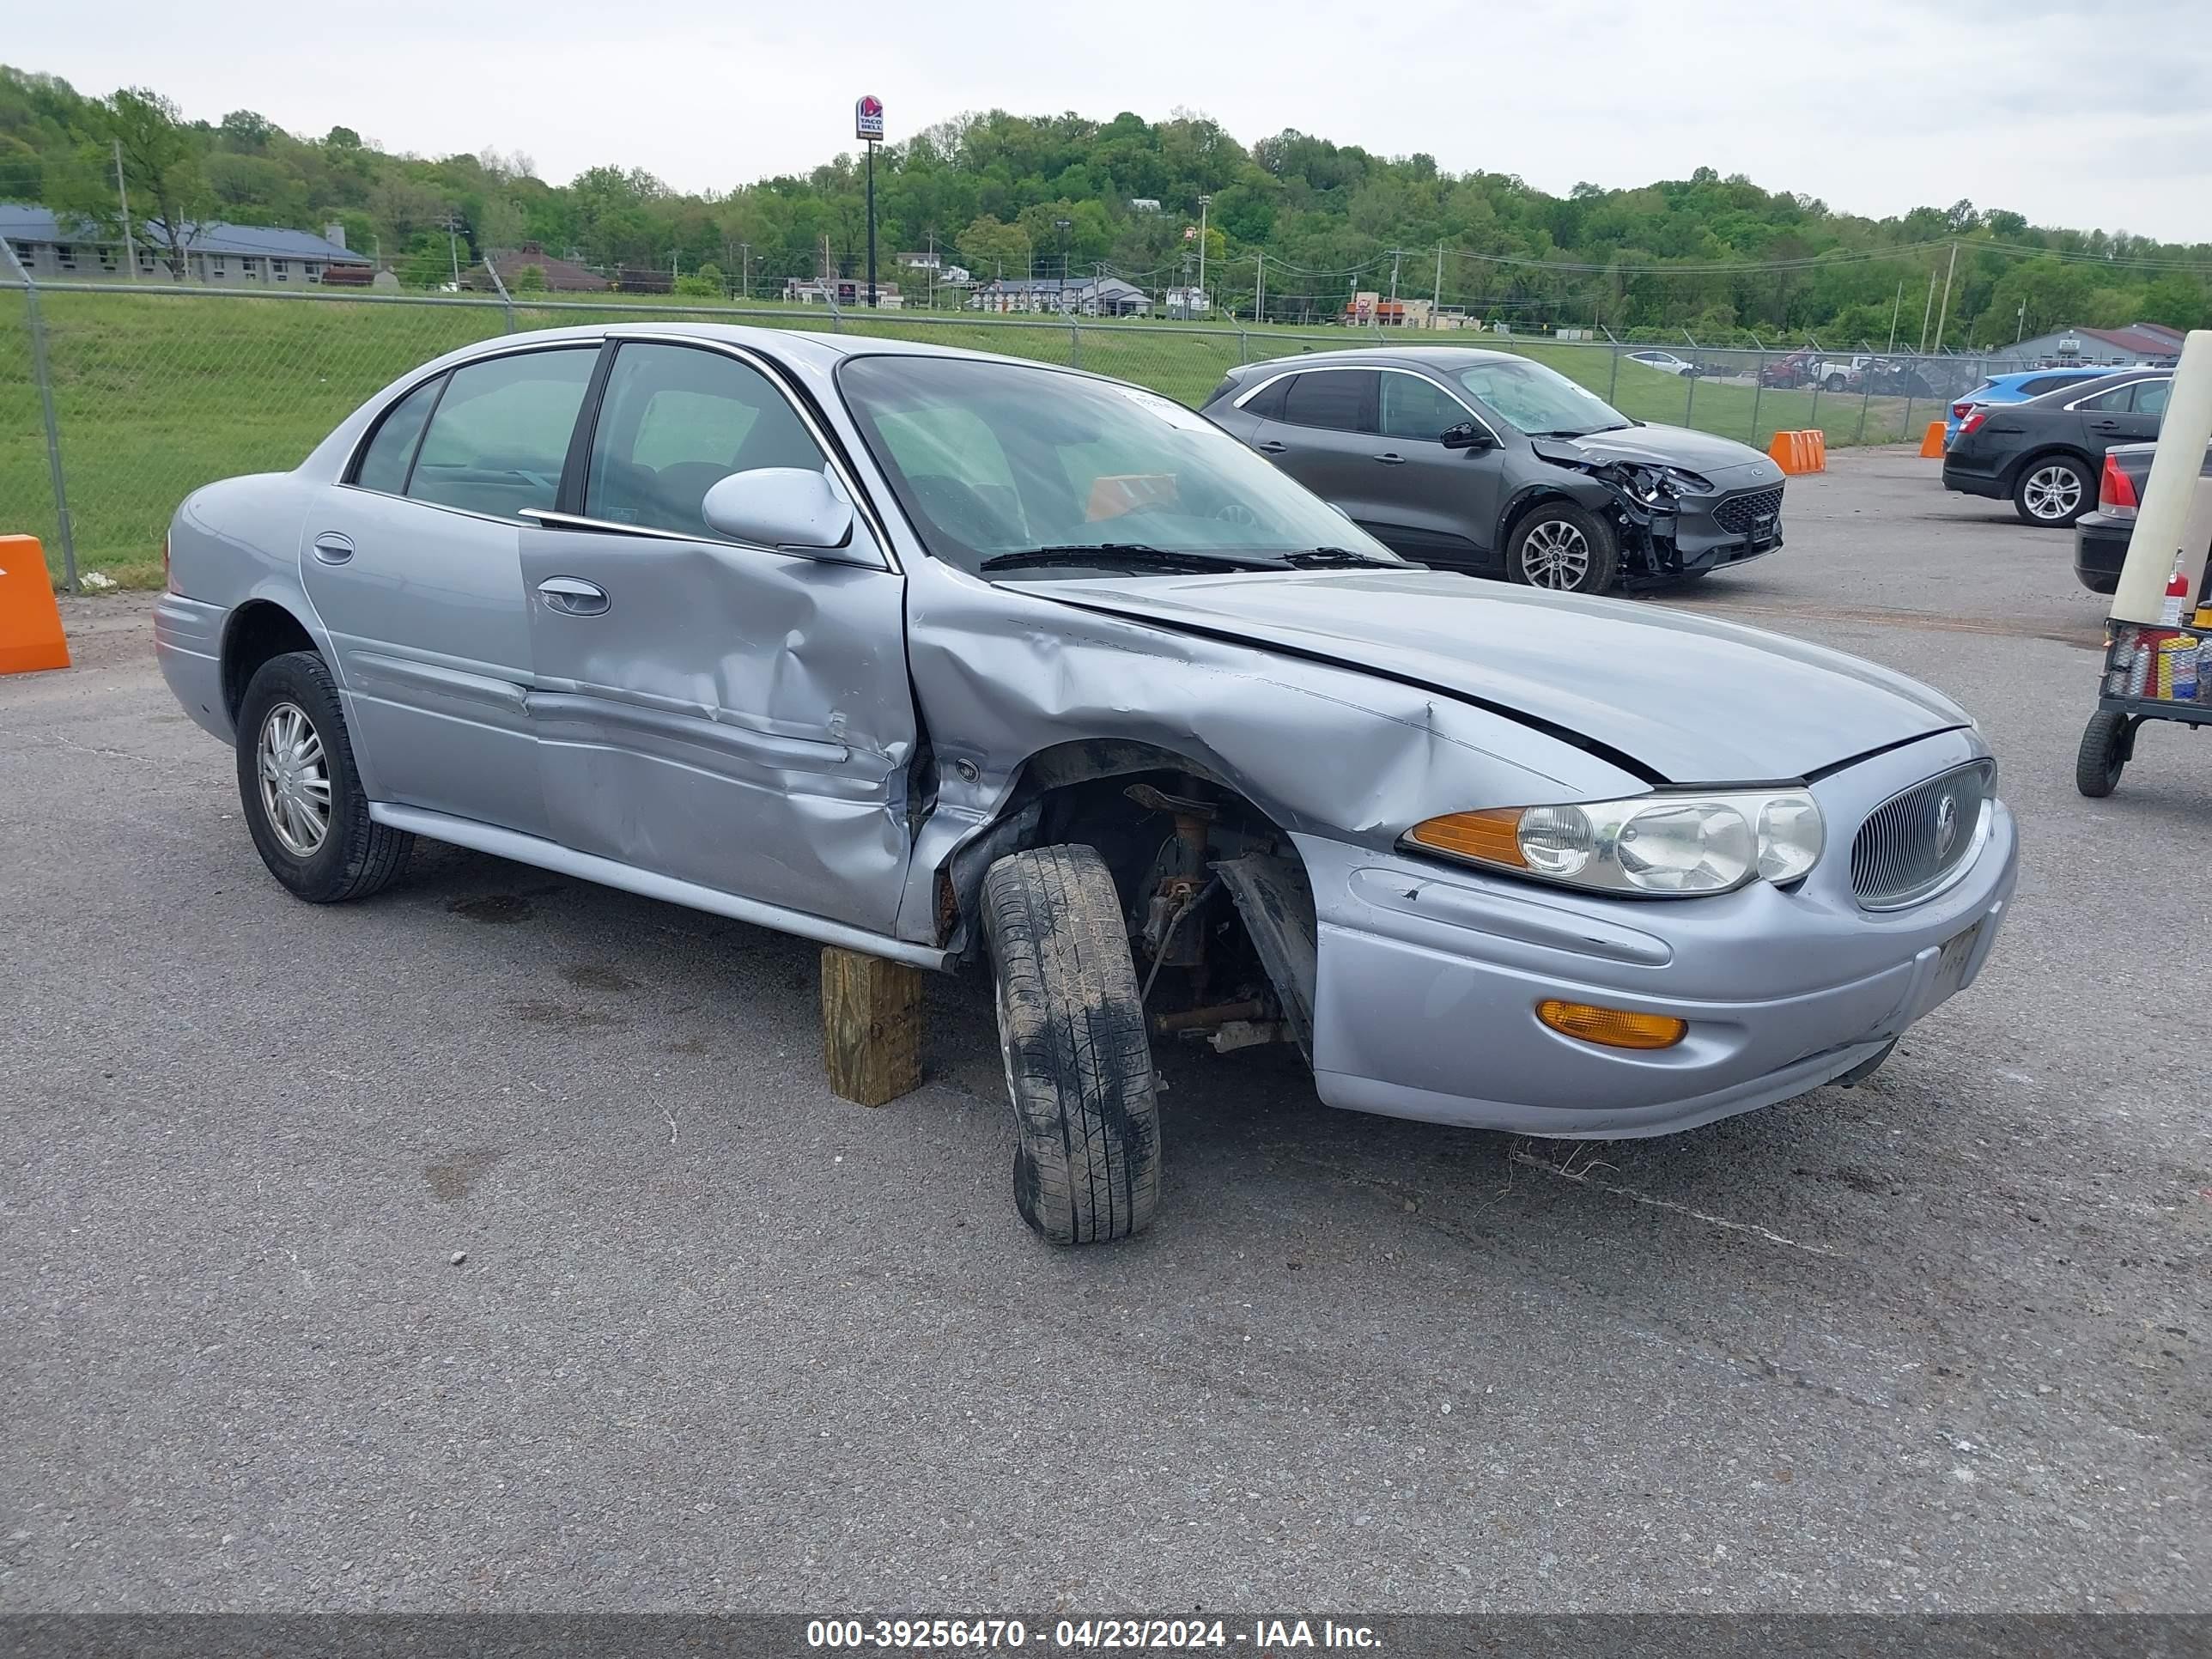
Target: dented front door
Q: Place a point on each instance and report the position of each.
(728, 715)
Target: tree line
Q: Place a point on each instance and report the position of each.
(1294, 224)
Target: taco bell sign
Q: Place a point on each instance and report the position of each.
(868, 117)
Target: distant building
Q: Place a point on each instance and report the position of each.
(934, 266)
(237, 256)
(562, 276)
(843, 291)
(1144, 205)
(1084, 296)
(1187, 303)
(2117, 348)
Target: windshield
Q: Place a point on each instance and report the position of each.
(1540, 401)
(991, 458)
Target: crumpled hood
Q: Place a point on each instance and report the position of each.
(1691, 699)
(1668, 446)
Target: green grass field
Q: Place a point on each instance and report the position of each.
(158, 392)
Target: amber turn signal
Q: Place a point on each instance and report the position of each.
(1494, 837)
(1615, 1027)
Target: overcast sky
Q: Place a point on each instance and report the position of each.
(2075, 114)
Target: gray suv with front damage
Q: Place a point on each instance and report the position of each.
(958, 661)
(1497, 466)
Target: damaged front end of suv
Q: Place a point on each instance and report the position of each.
(1673, 522)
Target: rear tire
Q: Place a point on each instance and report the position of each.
(1563, 549)
(301, 791)
(2103, 755)
(1078, 1059)
(2052, 491)
(1836, 383)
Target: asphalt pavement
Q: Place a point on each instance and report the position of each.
(721, 1341)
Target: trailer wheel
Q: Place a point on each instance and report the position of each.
(2106, 743)
(1078, 1057)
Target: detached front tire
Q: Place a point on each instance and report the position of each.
(300, 792)
(1564, 548)
(1079, 1058)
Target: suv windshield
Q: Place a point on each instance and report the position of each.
(1540, 401)
(996, 459)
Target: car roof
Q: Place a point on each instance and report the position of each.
(2085, 388)
(824, 351)
(1442, 357)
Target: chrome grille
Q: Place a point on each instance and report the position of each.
(1913, 842)
(1740, 515)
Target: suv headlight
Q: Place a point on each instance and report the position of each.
(1661, 845)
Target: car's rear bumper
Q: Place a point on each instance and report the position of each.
(2100, 548)
(1429, 976)
(188, 646)
(1974, 483)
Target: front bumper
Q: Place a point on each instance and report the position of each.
(1429, 975)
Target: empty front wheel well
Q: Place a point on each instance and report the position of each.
(1202, 872)
(258, 630)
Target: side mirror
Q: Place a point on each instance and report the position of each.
(782, 507)
(1465, 435)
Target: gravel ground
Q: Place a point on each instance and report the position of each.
(721, 1341)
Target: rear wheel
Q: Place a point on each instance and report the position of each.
(300, 793)
(2103, 755)
(1836, 383)
(2052, 491)
(1078, 1059)
(1560, 546)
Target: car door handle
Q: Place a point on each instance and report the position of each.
(332, 548)
(1391, 458)
(2104, 426)
(571, 596)
(1271, 447)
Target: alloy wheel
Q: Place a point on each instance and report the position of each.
(2052, 492)
(1555, 554)
(295, 780)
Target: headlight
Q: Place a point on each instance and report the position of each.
(1655, 485)
(1672, 845)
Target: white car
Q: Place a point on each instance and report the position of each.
(1665, 361)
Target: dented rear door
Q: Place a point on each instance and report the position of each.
(726, 715)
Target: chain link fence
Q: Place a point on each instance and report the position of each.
(117, 402)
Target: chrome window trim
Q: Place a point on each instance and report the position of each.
(764, 366)
(549, 518)
(1472, 414)
(832, 451)
(2075, 407)
(345, 478)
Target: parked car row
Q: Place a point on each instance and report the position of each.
(968, 662)
(2044, 454)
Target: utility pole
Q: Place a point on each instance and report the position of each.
(1203, 203)
(1895, 305)
(1926, 311)
(1943, 316)
(745, 271)
(1395, 257)
(453, 245)
(1436, 305)
(123, 195)
(1260, 289)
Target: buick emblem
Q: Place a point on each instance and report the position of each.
(1947, 825)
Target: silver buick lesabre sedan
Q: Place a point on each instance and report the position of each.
(955, 659)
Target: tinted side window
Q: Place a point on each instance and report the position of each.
(2150, 396)
(674, 423)
(384, 464)
(2036, 388)
(1417, 408)
(2115, 402)
(500, 436)
(1341, 399)
(1268, 404)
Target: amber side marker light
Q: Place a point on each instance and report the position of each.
(1615, 1027)
(1494, 837)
